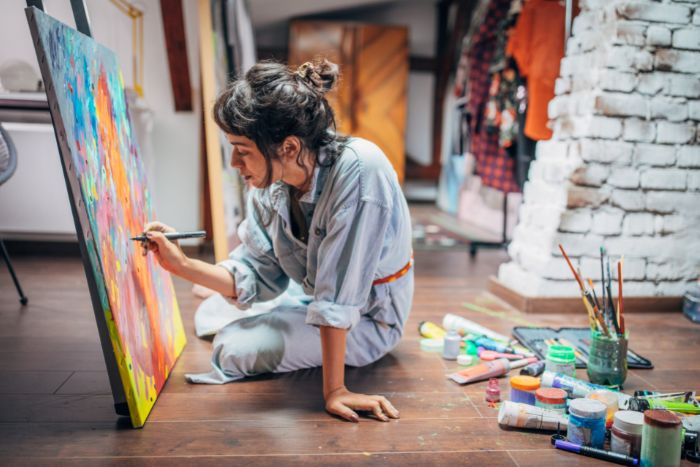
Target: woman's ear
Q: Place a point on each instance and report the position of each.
(290, 148)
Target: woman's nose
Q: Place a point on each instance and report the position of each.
(235, 160)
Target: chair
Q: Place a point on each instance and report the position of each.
(8, 164)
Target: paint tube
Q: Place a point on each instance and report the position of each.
(431, 330)
(518, 415)
(490, 344)
(574, 386)
(486, 370)
(640, 405)
(458, 323)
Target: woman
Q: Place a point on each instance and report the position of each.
(324, 211)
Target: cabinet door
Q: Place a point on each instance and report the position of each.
(333, 40)
(380, 89)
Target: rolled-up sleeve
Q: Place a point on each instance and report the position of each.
(257, 274)
(348, 259)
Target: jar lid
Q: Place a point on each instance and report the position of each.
(464, 360)
(661, 418)
(587, 408)
(608, 398)
(629, 421)
(432, 345)
(551, 395)
(525, 383)
(561, 354)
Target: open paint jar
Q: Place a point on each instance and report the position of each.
(522, 389)
(551, 399)
(561, 359)
(611, 401)
(626, 433)
(661, 439)
(607, 360)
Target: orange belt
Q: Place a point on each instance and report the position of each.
(397, 275)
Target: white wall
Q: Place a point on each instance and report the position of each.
(175, 136)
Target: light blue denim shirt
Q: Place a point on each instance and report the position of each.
(359, 231)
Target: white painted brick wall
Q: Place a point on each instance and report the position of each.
(623, 165)
(663, 179)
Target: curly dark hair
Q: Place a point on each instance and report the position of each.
(273, 102)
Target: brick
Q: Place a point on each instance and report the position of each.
(577, 220)
(667, 202)
(652, 83)
(590, 175)
(627, 57)
(614, 80)
(629, 200)
(687, 38)
(665, 225)
(541, 192)
(590, 267)
(590, 39)
(638, 289)
(598, 127)
(639, 130)
(551, 149)
(696, 16)
(672, 289)
(638, 224)
(585, 20)
(677, 60)
(637, 247)
(694, 180)
(577, 244)
(561, 105)
(607, 222)
(606, 152)
(658, 36)
(545, 265)
(634, 269)
(617, 104)
(663, 179)
(668, 270)
(674, 133)
(562, 86)
(630, 33)
(673, 109)
(654, 12)
(689, 156)
(694, 110)
(624, 177)
(655, 154)
(683, 85)
(584, 82)
(581, 197)
(541, 217)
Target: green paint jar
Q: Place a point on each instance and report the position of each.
(607, 360)
(661, 439)
(561, 359)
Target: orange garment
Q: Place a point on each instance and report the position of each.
(537, 44)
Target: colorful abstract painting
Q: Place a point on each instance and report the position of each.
(131, 294)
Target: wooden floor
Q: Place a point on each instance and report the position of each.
(56, 408)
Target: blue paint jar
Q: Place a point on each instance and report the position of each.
(587, 422)
(522, 389)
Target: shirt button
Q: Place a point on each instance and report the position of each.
(317, 231)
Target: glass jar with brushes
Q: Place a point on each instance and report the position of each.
(607, 359)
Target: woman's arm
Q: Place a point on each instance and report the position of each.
(340, 401)
(171, 257)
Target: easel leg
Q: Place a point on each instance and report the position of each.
(22, 299)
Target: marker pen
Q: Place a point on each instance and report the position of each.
(596, 453)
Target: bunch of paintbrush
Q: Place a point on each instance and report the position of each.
(602, 315)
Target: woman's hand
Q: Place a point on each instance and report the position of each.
(168, 253)
(343, 403)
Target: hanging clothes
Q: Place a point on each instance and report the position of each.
(493, 163)
(537, 44)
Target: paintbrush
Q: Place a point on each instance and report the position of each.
(620, 306)
(590, 305)
(602, 278)
(586, 304)
(595, 297)
(610, 299)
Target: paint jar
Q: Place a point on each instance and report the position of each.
(432, 345)
(451, 346)
(522, 389)
(561, 359)
(626, 433)
(661, 439)
(551, 399)
(586, 423)
(607, 360)
(610, 400)
(493, 391)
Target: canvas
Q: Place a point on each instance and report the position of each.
(134, 300)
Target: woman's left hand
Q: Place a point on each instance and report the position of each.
(343, 403)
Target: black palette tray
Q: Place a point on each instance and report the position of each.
(580, 338)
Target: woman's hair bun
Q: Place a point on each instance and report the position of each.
(322, 74)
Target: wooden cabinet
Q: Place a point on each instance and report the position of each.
(370, 101)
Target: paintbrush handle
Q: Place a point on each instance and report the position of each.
(174, 235)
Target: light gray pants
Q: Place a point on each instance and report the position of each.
(279, 340)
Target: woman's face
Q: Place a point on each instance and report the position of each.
(250, 162)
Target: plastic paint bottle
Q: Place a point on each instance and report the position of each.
(574, 386)
(493, 391)
(517, 415)
(551, 399)
(561, 359)
(610, 400)
(452, 344)
(587, 423)
(661, 439)
(431, 330)
(522, 389)
(533, 369)
(458, 323)
(626, 433)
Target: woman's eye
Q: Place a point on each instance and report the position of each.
(242, 154)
